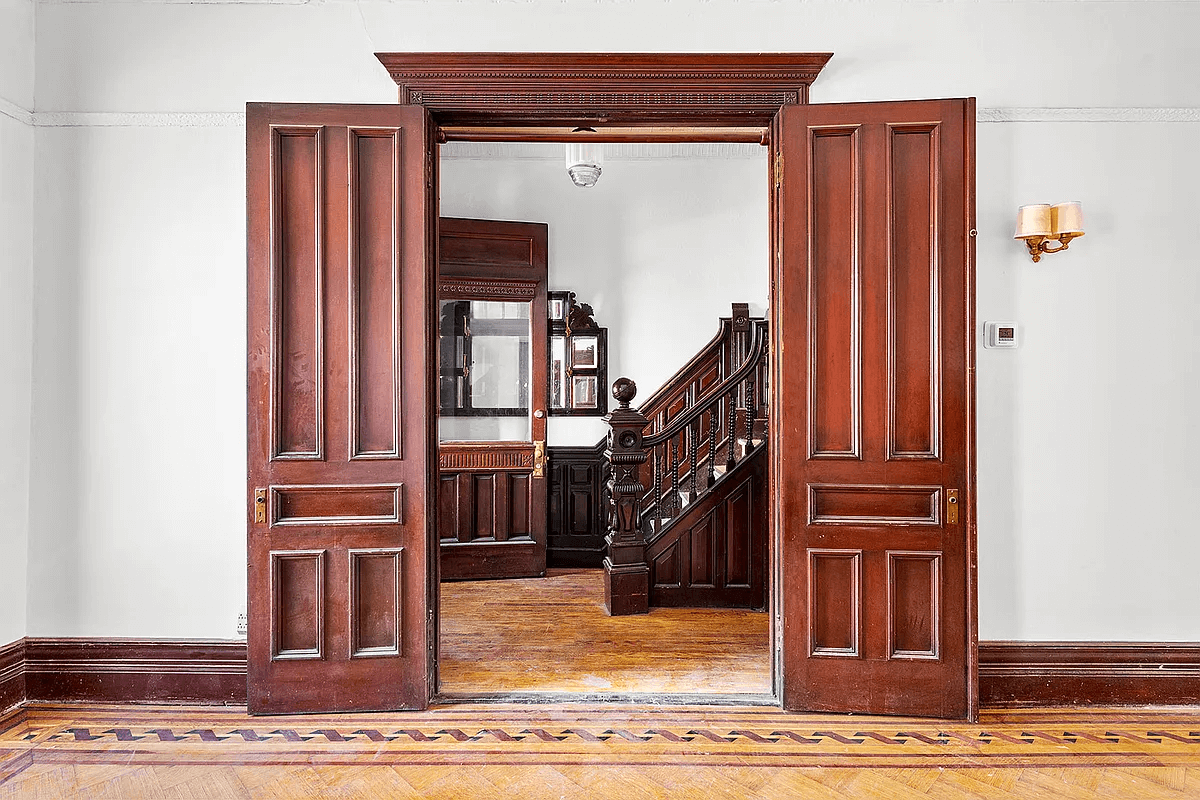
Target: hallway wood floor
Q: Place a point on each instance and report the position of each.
(551, 635)
(602, 751)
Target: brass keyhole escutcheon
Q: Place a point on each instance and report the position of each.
(952, 507)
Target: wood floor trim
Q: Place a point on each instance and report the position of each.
(1011, 674)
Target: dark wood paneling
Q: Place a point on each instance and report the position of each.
(875, 505)
(374, 359)
(330, 505)
(136, 671)
(571, 89)
(872, 326)
(913, 283)
(834, 589)
(714, 554)
(296, 288)
(576, 515)
(1089, 673)
(914, 586)
(341, 289)
(298, 604)
(835, 335)
(376, 586)
(12, 675)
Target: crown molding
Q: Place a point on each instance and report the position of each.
(709, 89)
(1094, 114)
(14, 111)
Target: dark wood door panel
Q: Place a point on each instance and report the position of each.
(872, 409)
(341, 285)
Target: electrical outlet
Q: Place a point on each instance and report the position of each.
(242, 625)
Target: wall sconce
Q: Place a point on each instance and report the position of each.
(585, 160)
(1040, 224)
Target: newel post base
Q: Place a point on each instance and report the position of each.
(626, 573)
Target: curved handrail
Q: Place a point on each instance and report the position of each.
(688, 416)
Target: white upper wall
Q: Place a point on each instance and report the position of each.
(173, 56)
(139, 387)
(16, 307)
(16, 54)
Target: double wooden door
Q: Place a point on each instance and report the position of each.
(872, 470)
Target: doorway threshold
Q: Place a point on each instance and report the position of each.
(670, 699)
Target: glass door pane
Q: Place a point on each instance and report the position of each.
(485, 371)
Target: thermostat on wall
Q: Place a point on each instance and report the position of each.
(1000, 334)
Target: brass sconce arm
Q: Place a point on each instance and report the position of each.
(1041, 244)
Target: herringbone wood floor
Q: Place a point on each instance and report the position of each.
(608, 751)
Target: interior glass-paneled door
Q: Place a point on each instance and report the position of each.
(492, 383)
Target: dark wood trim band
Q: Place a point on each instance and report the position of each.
(576, 89)
(12, 675)
(212, 672)
(1088, 673)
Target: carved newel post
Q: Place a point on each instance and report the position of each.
(626, 573)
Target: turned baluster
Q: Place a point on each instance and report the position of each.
(658, 488)
(731, 431)
(674, 477)
(750, 412)
(693, 434)
(712, 445)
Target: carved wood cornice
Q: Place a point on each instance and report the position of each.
(705, 89)
(465, 288)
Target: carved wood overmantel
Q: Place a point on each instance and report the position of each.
(572, 89)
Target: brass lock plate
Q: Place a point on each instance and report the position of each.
(952, 507)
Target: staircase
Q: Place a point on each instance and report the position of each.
(700, 485)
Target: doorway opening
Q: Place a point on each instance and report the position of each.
(659, 249)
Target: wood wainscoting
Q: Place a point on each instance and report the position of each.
(576, 513)
(213, 672)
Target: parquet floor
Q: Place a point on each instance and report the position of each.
(602, 751)
(551, 635)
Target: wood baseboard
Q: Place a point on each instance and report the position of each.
(12, 675)
(212, 672)
(136, 670)
(1089, 673)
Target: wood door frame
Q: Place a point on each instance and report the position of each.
(655, 97)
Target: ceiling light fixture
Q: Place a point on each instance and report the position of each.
(585, 160)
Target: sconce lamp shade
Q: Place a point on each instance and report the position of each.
(1033, 221)
(1066, 218)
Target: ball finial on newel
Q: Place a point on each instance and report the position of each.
(624, 390)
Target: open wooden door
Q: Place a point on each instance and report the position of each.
(493, 373)
(341, 225)
(872, 430)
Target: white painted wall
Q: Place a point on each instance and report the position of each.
(659, 247)
(1084, 433)
(16, 306)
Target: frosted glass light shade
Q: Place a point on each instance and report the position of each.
(585, 162)
(1066, 218)
(1033, 221)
